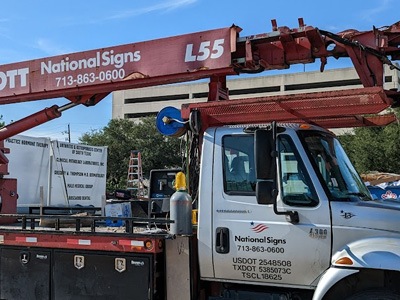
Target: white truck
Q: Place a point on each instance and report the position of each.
(282, 213)
(312, 226)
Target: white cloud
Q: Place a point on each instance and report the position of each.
(3, 30)
(49, 47)
(163, 6)
(369, 14)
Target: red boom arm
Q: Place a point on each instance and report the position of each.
(83, 75)
(87, 77)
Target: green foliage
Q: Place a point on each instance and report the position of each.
(123, 135)
(374, 148)
(1, 122)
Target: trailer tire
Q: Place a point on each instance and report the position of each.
(376, 294)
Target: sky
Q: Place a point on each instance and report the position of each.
(36, 29)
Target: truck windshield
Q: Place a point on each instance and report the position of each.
(331, 163)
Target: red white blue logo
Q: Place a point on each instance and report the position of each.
(258, 228)
(389, 195)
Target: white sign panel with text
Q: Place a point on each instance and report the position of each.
(68, 174)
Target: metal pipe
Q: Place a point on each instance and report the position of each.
(29, 122)
(33, 120)
(67, 106)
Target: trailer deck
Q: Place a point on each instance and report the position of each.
(85, 232)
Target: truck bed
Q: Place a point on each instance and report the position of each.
(82, 257)
(84, 232)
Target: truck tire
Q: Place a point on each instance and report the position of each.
(375, 295)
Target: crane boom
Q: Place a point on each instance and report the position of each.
(82, 76)
(89, 76)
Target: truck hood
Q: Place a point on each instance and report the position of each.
(379, 204)
(376, 215)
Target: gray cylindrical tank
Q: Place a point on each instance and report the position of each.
(181, 209)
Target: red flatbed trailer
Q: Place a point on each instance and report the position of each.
(84, 259)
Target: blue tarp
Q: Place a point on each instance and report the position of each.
(387, 193)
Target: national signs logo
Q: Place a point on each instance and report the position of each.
(258, 228)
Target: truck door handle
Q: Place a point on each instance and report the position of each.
(222, 240)
(24, 257)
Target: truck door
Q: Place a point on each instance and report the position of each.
(250, 242)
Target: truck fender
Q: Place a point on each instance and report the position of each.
(329, 279)
(372, 253)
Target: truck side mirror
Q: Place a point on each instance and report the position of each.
(264, 148)
(265, 156)
(266, 192)
(265, 164)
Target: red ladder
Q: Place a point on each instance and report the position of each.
(135, 174)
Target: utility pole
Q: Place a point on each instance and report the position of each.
(68, 131)
(69, 134)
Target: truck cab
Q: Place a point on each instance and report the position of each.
(317, 229)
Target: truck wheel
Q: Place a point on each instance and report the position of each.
(375, 295)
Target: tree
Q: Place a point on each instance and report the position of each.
(374, 148)
(1, 122)
(123, 135)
